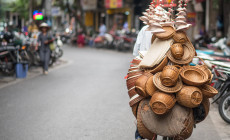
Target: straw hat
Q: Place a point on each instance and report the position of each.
(160, 86)
(189, 53)
(169, 32)
(44, 25)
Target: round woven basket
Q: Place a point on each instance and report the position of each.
(193, 76)
(180, 37)
(159, 67)
(204, 68)
(169, 32)
(189, 96)
(169, 75)
(150, 87)
(208, 91)
(189, 53)
(161, 102)
(160, 86)
(177, 51)
(140, 84)
(144, 132)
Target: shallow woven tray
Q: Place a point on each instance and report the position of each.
(160, 86)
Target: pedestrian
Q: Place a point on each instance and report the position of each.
(44, 39)
(102, 29)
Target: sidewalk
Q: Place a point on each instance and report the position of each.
(34, 71)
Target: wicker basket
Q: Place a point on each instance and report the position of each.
(144, 132)
(140, 84)
(208, 91)
(169, 75)
(180, 37)
(161, 87)
(159, 67)
(189, 96)
(150, 87)
(193, 76)
(205, 68)
(161, 102)
(130, 82)
(169, 32)
(177, 51)
(189, 53)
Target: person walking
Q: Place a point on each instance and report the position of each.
(44, 41)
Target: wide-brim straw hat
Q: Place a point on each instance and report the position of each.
(189, 53)
(160, 86)
(44, 25)
(169, 32)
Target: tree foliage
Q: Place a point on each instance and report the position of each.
(21, 7)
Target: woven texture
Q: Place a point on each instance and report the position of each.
(169, 32)
(158, 67)
(144, 132)
(150, 87)
(169, 75)
(189, 53)
(179, 121)
(193, 76)
(141, 84)
(208, 91)
(160, 86)
(189, 96)
(177, 51)
(161, 103)
(180, 37)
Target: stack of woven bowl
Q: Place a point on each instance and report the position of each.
(169, 98)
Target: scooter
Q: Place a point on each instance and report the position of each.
(105, 41)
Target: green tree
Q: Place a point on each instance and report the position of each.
(22, 8)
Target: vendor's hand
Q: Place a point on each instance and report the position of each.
(46, 42)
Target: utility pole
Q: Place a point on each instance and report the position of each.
(30, 10)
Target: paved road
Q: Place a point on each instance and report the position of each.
(83, 100)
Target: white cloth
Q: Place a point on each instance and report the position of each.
(143, 42)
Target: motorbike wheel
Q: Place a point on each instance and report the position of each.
(60, 54)
(224, 107)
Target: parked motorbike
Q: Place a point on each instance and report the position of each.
(105, 41)
(124, 41)
(221, 82)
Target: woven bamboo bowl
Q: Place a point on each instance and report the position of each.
(140, 84)
(150, 87)
(193, 76)
(177, 51)
(135, 100)
(189, 96)
(208, 91)
(159, 67)
(161, 103)
(169, 76)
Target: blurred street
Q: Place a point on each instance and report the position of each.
(85, 99)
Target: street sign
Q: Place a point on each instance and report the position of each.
(111, 4)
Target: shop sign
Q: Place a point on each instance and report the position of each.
(89, 4)
(110, 4)
(165, 3)
(191, 18)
